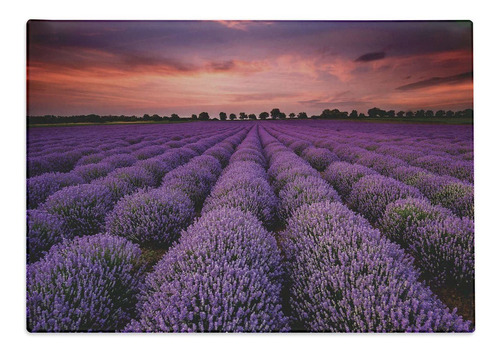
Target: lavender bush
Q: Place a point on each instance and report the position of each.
(43, 231)
(87, 285)
(445, 249)
(82, 208)
(371, 194)
(155, 217)
(223, 276)
(304, 191)
(344, 277)
(343, 175)
(39, 188)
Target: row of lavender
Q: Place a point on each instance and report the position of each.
(329, 271)
(225, 274)
(424, 139)
(441, 242)
(225, 243)
(445, 155)
(82, 209)
(61, 149)
(342, 275)
(447, 191)
(102, 274)
(90, 159)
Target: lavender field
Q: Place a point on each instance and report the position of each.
(251, 226)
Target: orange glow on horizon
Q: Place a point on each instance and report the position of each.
(250, 66)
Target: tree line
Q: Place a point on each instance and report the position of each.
(380, 113)
(275, 113)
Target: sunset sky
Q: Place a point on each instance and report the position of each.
(241, 66)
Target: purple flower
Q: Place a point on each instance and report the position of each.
(457, 196)
(120, 160)
(344, 277)
(90, 159)
(304, 190)
(319, 158)
(82, 208)
(148, 152)
(43, 231)
(89, 284)
(343, 175)
(136, 176)
(445, 249)
(39, 188)
(371, 194)
(150, 218)
(93, 171)
(224, 275)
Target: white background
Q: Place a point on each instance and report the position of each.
(12, 203)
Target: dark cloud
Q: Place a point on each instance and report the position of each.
(265, 96)
(222, 65)
(334, 103)
(310, 102)
(435, 81)
(131, 61)
(371, 57)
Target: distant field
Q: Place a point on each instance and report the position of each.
(452, 121)
(416, 120)
(95, 123)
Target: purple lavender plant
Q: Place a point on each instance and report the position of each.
(304, 190)
(223, 276)
(43, 231)
(344, 277)
(153, 218)
(343, 175)
(371, 194)
(82, 208)
(89, 284)
(40, 187)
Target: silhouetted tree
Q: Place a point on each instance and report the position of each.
(222, 116)
(204, 116)
(429, 113)
(409, 114)
(401, 114)
(194, 116)
(282, 115)
(146, 117)
(376, 112)
(263, 115)
(420, 113)
(175, 117)
(232, 116)
(450, 114)
(302, 115)
(292, 115)
(334, 113)
(468, 113)
(275, 113)
(243, 115)
(354, 114)
(391, 113)
(362, 115)
(440, 113)
(326, 113)
(252, 116)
